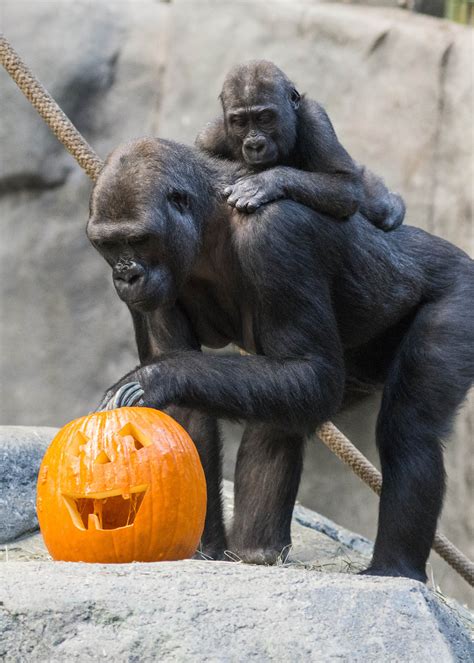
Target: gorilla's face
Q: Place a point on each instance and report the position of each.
(146, 223)
(260, 106)
(256, 131)
(142, 278)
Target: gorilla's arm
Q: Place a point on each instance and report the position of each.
(160, 331)
(333, 186)
(260, 388)
(326, 178)
(323, 155)
(168, 330)
(337, 195)
(299, 386)
(156, 333)
(212, 139)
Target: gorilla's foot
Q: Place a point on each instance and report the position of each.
(211, 553)
(266, 556)
(395, 572)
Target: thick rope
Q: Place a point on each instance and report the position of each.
(42, 101)
(343, 448)
(72, 140)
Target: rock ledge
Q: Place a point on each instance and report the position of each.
(191, 610)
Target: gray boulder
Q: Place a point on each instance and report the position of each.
(217, 611)
(21, 451)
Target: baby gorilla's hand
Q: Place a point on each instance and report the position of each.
(252, 191)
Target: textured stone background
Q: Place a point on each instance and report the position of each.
(397, 88)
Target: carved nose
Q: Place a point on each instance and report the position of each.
(129, 272)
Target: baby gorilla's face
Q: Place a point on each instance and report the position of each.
(255, 130)
(260, 105)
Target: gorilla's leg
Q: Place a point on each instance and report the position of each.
(383, 208)
(204, 431)
(427, 381)
(267, 476)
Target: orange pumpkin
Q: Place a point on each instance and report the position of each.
(119, 486)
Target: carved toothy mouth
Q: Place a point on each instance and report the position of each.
(113, 509)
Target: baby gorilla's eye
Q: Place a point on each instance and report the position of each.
(179, 200)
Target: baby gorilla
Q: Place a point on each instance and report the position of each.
(289, 144)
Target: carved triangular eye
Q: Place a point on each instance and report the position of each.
(102, 458)
(139, 438)
(79, 440)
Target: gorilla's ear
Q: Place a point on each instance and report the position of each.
(295, 98)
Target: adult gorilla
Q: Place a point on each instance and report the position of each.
(316, 303)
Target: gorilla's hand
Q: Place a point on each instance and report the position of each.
(128, 395)
(250, 192)
(134, 389)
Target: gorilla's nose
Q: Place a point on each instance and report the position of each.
(255, 145)
(128, 272)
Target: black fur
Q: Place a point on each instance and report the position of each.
(320, 305)
(289, 143)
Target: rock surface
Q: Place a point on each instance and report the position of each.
(217, 611)
(397, 89)
(21, 451)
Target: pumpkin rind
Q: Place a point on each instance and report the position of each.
(140, 453)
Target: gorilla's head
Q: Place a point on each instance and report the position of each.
(260, 107)
(146, 219)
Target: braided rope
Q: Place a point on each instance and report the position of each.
(58, 122)
(73, 141)
(343, 448)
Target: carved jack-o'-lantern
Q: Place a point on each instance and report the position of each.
(119, 486)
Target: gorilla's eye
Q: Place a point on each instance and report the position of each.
(239, 121)
(266, 117)
(179, 200)
(104, 245)
(140, 241)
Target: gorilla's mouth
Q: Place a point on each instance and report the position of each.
(263, 160)
(109, 510)
(144, 304)
(145, 300)
(140, 303)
